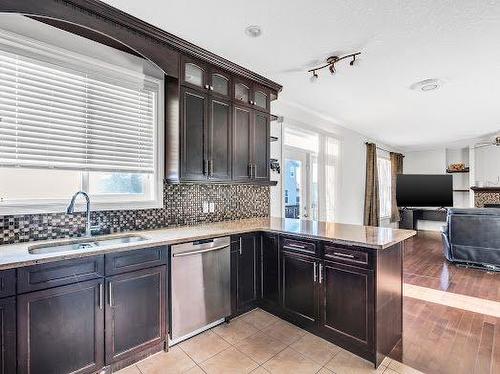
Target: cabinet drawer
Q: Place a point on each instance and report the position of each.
(7, 283)
(38, 277)
(347, 255)
(300, 246)
(123, 262)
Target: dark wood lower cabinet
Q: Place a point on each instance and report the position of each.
(270, 267)
(8, 335)
(135, 318)
(346, 305)
(299, 287)
(245, 272)
(61, 330)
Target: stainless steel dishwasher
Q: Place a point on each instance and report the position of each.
(200, 286)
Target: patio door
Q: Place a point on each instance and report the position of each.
(300, 184)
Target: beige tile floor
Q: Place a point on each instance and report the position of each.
(259, 343)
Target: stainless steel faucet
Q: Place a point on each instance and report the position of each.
(71, 209)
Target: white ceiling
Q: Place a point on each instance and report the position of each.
(402, 42)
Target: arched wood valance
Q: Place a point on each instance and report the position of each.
(159, 46)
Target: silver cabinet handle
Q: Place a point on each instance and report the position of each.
(315, 275)
(101, 295)
(211, 88)
(343, 255)
(293, 245)
(207, 86)
(110, 290)
(241, 241)
(255, 170)
(320, 273)
(190, 253)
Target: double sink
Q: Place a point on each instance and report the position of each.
(84, 243)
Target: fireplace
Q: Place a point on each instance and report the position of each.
(486, 197)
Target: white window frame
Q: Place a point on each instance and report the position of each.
(384, 156)
(98, 202)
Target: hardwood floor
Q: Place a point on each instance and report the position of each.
(454, 331)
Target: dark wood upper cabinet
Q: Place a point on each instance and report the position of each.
(299, 287)
(194, 113)
(261, 98)
(242, 92)
(8, 335)
(261, 146)
(219, 140)
(242, 143)
(220, 84)
(194, 74)
(270, 267)
(224, 127)
(251, 145)
(135, 318)
(61, 330)
(346, 305)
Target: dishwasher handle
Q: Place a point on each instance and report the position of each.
(195, 252)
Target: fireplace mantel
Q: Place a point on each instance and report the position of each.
(486, 189)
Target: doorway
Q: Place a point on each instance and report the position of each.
(300, 184)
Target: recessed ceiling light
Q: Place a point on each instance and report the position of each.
(426, 85)
(253, 31)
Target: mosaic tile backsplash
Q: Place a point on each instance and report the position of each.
(183, 205)
(484, 197)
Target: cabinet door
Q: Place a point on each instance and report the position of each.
(242, 92)
(346, 303)
(270, 269)
(220, 84)
(299, 287)
(194, 74)
(261, 98)
(247, 289)
(194, 106)
(135, 312)
(241, 143)
(261, 146)
(219, 139)
(61, 330)
(8, 335)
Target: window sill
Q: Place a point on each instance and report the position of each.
(19, 209)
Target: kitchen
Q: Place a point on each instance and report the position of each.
(99, 286)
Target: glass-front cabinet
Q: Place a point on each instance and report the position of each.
(220, 84)
(242, 92)
(201, 76)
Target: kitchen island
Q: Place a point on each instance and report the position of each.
(341, 282)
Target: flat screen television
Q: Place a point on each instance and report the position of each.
(420, 190)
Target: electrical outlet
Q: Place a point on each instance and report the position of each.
(212, 207)
(205, 207)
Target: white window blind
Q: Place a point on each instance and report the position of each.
(54, 117)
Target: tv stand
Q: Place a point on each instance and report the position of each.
(410, 216)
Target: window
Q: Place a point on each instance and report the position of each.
(384, 180)
(72, 123)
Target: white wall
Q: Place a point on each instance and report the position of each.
(487, 165)
(425, 162)
(349, 201)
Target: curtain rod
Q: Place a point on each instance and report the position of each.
(383, 149)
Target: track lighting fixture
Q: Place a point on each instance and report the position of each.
(330, 64)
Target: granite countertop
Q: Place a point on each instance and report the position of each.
(376, 238)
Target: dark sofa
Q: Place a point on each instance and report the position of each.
(472, 236)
